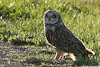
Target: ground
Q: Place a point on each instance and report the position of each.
(32, 56)
(22, 56)
(8, 55)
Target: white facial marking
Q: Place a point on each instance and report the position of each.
(49, 28)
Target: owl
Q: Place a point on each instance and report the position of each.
(62, 39)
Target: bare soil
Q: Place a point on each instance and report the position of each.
(7, 58)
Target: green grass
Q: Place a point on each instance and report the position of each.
(22, 22)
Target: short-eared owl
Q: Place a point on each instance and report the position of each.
(62, 38)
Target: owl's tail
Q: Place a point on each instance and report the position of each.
(89, 51)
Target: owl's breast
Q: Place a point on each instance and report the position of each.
(58, 37)
(50, 35)
(54, 36)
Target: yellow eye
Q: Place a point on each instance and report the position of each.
(53, 16)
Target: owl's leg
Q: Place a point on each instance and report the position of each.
(59, 55)
(72, 56)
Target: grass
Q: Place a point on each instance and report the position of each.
(21, 23)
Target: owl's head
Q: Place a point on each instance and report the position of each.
(51, 17)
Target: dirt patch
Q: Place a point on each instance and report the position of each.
(10, 55)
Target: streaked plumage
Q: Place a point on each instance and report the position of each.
(62, 38)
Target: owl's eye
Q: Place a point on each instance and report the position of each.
(53, 16)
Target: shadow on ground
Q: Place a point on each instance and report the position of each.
(37, 62)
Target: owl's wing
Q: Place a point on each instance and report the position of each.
(65, 40)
